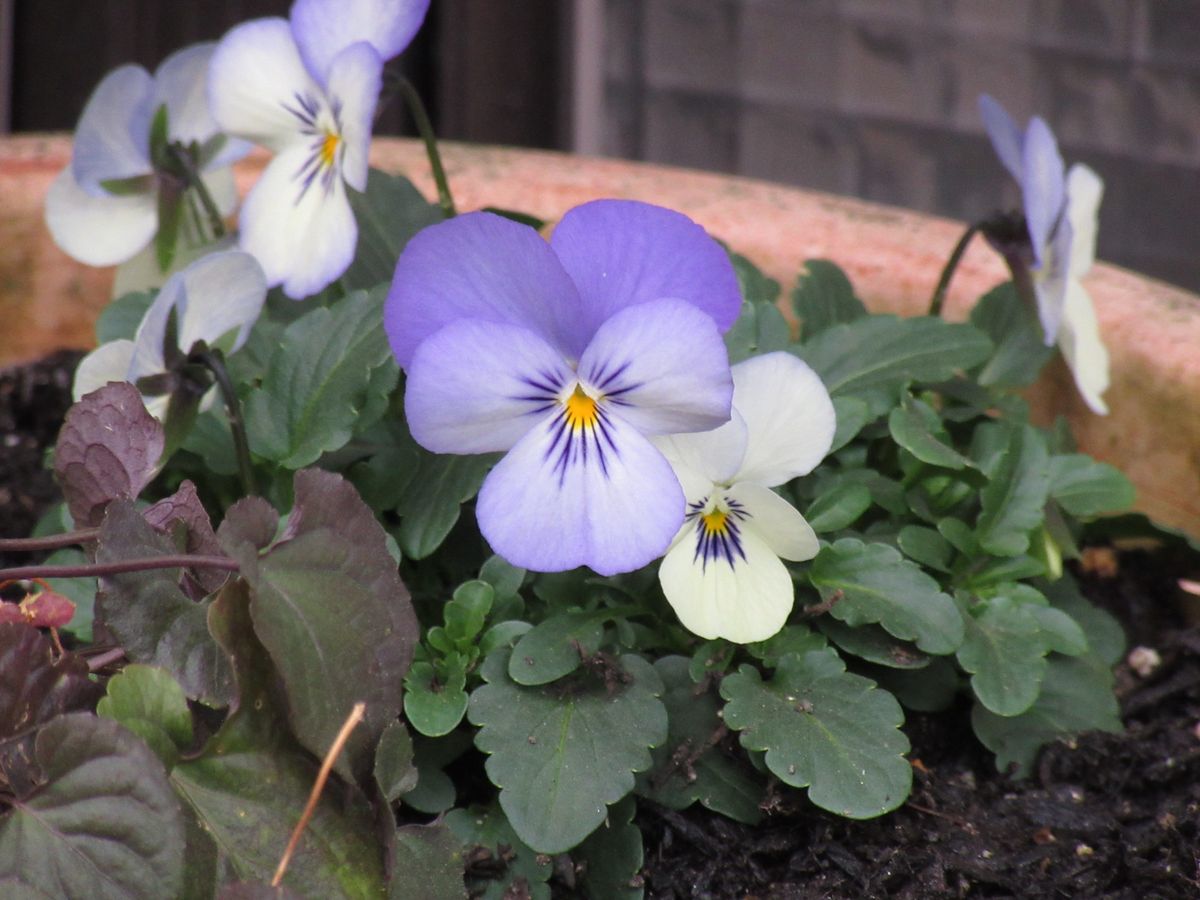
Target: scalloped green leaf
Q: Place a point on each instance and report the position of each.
(691, 765)
(435, 699)
(427, 862)
(873, 644)
(1085, 488)
(612, 857)
(486, 828)
(389, 212)
(925, 546)
(916, 427)
(825, 729)
(1020, 351)
(105, 823)
(760, 328)
(878, 585)
(839, 507)
(317, 380)
(562, 753)
(757, 287)
(553, 647)
(395, 772)
(823, 297)
(1005, 654)
(852, 416)
(1014, 499)
(151, 704)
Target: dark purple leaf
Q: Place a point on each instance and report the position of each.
(183, 510)
(109, 447)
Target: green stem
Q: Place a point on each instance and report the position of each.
(187, 166)
(939, 293)
(50, 542)
(421, 118)
(214, 360)
(119, 567)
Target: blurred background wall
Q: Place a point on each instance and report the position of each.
(874, 98)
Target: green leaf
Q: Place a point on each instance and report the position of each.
(852, 415)
(104, 824)
(394, 770)
(467, 611)
(151, 616)
(553, 648)
(931, 689)
(435, 700)
(876, 357)
(561, 753)
(1077, 695)
(760, 328)
(505, 578)
(839, 507)
(1020, 352)
(317, 381)
(1086, 488)
(872, 643)
(825, 729)
(612, 856)
(878, 585)
(926, 546)
(388, 213)
(486, 828)
(121, 318)
(823, 297)
(1005, 656)
(427, 862)
(691, 764)
(435, 791)
(329, 606)
(756, 286)
(1014, 500)
(432, 498)
(916, 427)
(1105, 636)
(151, 704)
(251, 783)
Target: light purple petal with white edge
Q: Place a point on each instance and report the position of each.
(789, 418)
(112, 139)
(324, 28)
(481, 266)
(596, 495)
(622, 252)
(354, 81)
(258, 88)
(298, 224)
(1005, 136)
(1042, 186)
(223, 295)
(181, 82)
(99, 231)
(478, 387)
(662, 366)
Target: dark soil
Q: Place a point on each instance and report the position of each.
(1104, 816)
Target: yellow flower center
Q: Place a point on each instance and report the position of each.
(329, 148)
(581, 410)
(715, 522)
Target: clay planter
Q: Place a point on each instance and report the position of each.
(48, 301)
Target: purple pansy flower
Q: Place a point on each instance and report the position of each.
(567, 355)
(307, 90)
(1061, 215)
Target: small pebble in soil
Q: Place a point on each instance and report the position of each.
(1144, 660)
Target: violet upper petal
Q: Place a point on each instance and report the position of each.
(112, 140)
(621, 253)
(1004, 134)
(323, 28)
(1042, 185)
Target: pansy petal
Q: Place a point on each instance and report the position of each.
(222, 188)
(1083, 349)
(302, 231)
(703, 459)
(623, 252)
(99, 231)
(789, 417)
(258, 87)
(1050, 282)
(777, 522)
(481, 266)
(181, 82)
(477, 387)
(324, 28)
(1084, 192)
(747, 601)
(1042, 185)
(222, 293)
(354, 80)
(663, 366)
(1003, 133)
(112, 140)
(603, 498)
(108, 362)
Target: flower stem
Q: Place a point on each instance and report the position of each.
(421, 118)
(214, 361)
(49, 542)
(939, 293)
(180, 156)
(119, 567)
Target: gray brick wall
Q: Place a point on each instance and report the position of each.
(876, 98)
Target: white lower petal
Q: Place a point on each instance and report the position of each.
(1083, 348)
(776, 521)
(108, 362)
(1084, 192)
(748, 600)
(789, 417)
(703, 459)
(303, 236)
(99, 231)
